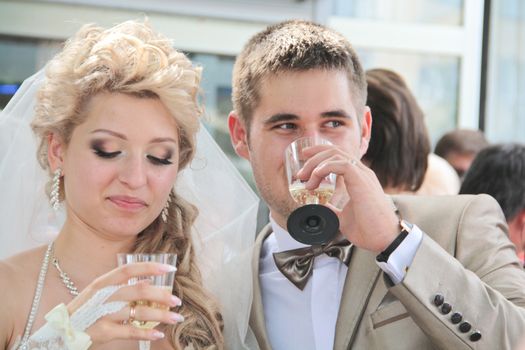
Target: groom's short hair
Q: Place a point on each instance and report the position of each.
(293, 46)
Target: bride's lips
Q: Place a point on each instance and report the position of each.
(128, 203)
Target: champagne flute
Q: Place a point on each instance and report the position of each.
(312, 222)
(295, 160)
(164, 281)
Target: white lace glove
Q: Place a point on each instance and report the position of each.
(62, 332)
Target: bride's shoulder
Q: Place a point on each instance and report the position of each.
(19, 274)
(22, 269)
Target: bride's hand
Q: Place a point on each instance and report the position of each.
(116, 326)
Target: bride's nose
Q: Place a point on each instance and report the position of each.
(133, 171)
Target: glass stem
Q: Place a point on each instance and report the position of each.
(144, 344)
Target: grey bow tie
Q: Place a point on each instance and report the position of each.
(297, 264)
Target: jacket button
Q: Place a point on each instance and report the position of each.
(438, 299)
(465, 327)
(456, 317)
(475, 336)
(446, 308)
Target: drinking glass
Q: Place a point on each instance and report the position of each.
(294, 161)
(161, 281)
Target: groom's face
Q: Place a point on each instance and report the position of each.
(292, 105)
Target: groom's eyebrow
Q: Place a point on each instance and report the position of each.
(123, 137)
(287, 117)
(281, 117)
(339, 113)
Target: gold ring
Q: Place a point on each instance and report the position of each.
(131, 313)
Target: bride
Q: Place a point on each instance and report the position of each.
(116, 119)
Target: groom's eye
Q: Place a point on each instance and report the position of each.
(334, 124)
(286, 126)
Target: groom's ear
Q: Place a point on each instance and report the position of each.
(55, 151)
(238, 135)
(366, 131)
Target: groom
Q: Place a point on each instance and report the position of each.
(423, 273)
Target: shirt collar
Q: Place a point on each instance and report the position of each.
(283, 239)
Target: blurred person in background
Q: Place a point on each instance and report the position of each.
(399, 145)
(459, 147)
(440, 178)
(499, 170)
(399, 148)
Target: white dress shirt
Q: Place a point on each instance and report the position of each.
(306, 319)
(299, 319)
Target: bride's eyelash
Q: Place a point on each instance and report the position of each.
(104, 154)
(159, 161)
(97, 149)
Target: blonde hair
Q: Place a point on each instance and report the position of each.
(133, 59)
(293, 46)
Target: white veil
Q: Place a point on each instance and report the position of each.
(223, 234)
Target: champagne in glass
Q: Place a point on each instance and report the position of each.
(164, 281)
(319, 195)
(295, 160)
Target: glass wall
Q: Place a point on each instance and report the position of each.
(426, 43)
(216, 86)
(447, 12)
(433, 79)
(505, 112)
(20, 58)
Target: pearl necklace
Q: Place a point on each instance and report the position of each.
(38, 292)
(65, 278)
(36, 299)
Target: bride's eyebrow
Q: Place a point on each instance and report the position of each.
(163, 139)
(110, 132)
(123, 137)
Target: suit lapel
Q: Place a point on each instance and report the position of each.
(360, 280)
(257, 322)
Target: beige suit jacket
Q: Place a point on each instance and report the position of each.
(465, 255)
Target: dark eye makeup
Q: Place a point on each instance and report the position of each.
(97, 148)
(160, 161)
